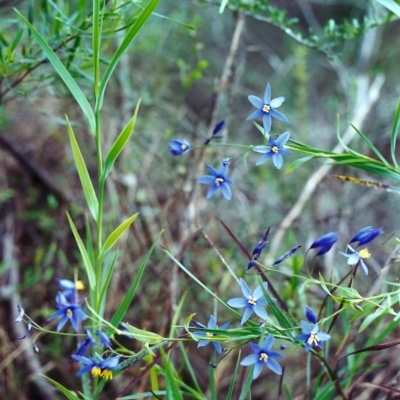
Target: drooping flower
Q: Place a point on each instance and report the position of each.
(263, 356)
(266, 108)
(310, 315)
(178, 147)
(356, 257)
(252, 301)
(212, 324)
(275, 150)
(258, 249)
(21, 314)
(216, 129)
(286, 255)
(101, 367)
(69, 288)
(68, 312)
(311, 336)
(325, 242)
(218, 180)
(103, 340)
(366, 235)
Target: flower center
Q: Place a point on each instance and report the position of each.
(183, 147)
(218, 181)
(69, 313)
(275, 149)
(252, 300)
(263, 357)
(266, 108)
(107, 374)
(364, 253)
(313, 339)
(79, 285)
(209, 335)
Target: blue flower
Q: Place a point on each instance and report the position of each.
(310, 315)
(325, 242)
(218, 180)
(67, 312)
(253, 301)
(69, 288)
(178, 147)
(311, 336)
(286, 255)
(275, 150)
(262, 355)
(100, 367)
(103, 338)
(258, 249)
(212, 324)
(266, 108)
(366, 235)
(356, 257)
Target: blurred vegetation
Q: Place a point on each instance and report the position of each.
(324, 57)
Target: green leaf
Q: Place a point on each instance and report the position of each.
(85, 257)
(393, 138)
(222, 6)
(84, 177)
(116, 234)
(120, 143)
(173, 391)
(131, 34)
(297, 163)
(121, 311)
(370, 318)
(143, 336)
(68, 394)
(390, 5)
(63, 73)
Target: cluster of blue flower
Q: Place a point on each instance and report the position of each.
(266, 109)
(254, 301)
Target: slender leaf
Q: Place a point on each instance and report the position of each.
(222, 6)
(120, 143)
(63, 73)
(131, 34)
(393, 137)
(234, 378)
(68, 394)
(390, 5)
(83, 173)
(121, 311)
(85, 257)
(116, 234)
(173, 391)
(297, 163)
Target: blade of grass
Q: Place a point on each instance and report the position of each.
(393, 137)
(390, 5)
(63, 73)
(68, 394)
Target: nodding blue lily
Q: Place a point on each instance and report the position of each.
(325, 242)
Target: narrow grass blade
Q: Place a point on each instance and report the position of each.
(234, 378)
(116, 234)
(222, 6)
(371, 146)
(390, 5)
(393, 137)
(121, 311)
(173, 391)
(68, 394)
(247, 384)
(63, 73)
(120, 143)
(131, 34)
(297, 163)
(85, 257)
(88, 190)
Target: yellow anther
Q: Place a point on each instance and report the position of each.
(275, 149)
(79, 285)
(218, 181)
(69, 313)
(208, 334)
(252, 300)
(107, 374)
(313, 339)
(263, 357)
(364, 253)
(184, 147)
(96, 371)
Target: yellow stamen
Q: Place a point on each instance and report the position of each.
(69, 313)
(79, 285)
(252, 300)
(208, 334)
(263, 357)
(275, 149)
(364, 253)
(107, 374)
(266, 108)
(184, 147)
(218, 181)
(313, 339)
(96, 371)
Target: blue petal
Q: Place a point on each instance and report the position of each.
(257, 369)
(322, 336)
(264, 158)
(254, 115)
(278, 115)
(262, 149)
(260, 311)
(267, 343)
(225, 326)
(212, 170)
(62, 322)
(226, 191)
(202, 343)
(258, 293)
(274, 366)
(217, 347)
(267, 121)
(246, 315)
(277, 102)
(212, 191)
(267, 94)
(238, 302)
(310, 315)
(256, 101)
(212, 322)
(277, 160)
(206, 179)
(282, 138)
(363, 266)
(244, 288)
(306, 327)
(249, 360)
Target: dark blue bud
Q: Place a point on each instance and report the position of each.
(325, 242)
(286, 255)
(178, 147)
(282, 347)
(366, 235)
(218, 127)
(258, 249)
(310, 315)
